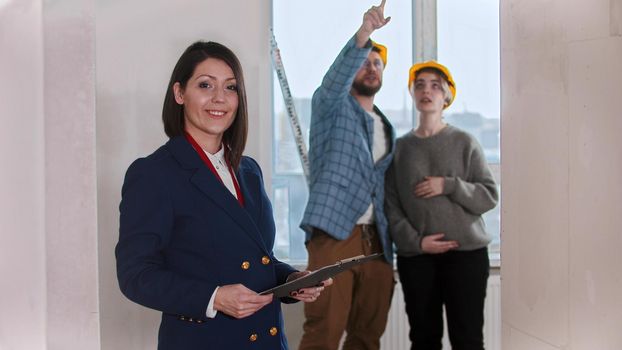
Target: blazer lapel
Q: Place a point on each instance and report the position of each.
(250, 187)
(211, 186)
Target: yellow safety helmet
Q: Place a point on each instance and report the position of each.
(382, 51)
(412, 75)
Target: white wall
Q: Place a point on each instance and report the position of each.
(562, 199)
(70, 175)
(48, 249)
(22, 217)
(138, 44)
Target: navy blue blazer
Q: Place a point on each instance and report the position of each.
(182, 234)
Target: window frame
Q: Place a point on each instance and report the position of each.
(424, 47)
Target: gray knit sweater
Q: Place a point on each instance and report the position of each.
(469, 191)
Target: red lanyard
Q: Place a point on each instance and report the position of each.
(209, 164)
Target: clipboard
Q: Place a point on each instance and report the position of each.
(319, 275)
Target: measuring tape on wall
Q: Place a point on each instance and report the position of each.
(289, 106)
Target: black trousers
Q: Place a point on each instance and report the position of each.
(456, 279)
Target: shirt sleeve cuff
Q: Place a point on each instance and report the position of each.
(210, 312)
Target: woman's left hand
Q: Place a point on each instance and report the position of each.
(310, 294)
(430, 187)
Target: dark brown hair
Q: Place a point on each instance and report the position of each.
(234, 138)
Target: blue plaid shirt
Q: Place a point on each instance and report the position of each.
(344, 179)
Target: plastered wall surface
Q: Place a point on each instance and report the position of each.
(22, 217)
(596, 196)
(47, 200)
(70, 175)
(561, 64)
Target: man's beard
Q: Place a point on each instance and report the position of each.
(366, 90)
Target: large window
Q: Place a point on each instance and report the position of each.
(468, 44)
(310, 34)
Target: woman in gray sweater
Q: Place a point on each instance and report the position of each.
(437, 189)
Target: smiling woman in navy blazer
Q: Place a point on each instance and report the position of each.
(196, 228)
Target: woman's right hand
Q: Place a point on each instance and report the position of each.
(434, 244)
(238, 301)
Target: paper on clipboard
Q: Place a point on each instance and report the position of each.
(317, 276)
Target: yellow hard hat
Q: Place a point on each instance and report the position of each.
(382, 53)
(412, 75)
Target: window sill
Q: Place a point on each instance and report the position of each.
(495, 263)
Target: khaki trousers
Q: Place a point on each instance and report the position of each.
(358, 301)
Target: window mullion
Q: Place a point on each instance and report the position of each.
(424, 30)
(424, 35)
